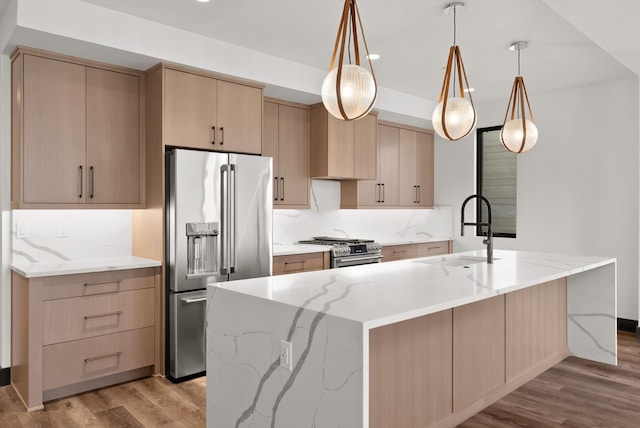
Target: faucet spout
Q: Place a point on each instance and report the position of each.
(489, 240)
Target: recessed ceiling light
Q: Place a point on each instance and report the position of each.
(203, 1)
(373, 57)
(469, 89)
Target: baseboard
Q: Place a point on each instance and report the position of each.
(5, 376)
(638, 332)
(627, 325)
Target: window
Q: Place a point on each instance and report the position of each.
(497, 182)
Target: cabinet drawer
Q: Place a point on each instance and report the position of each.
(60, 287)
(80, 360)
(433, 248)
(399, 252)
(298, 263)
(81, 317)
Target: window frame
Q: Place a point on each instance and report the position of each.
(479, 171)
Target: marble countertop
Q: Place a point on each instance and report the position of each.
(35, 270)
(416, 241)
(286, 250)
(385, 293)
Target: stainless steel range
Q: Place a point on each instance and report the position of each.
(348, 251)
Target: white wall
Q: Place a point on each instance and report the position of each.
(578, 189)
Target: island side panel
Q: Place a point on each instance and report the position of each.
(592, 314)
(247, 387)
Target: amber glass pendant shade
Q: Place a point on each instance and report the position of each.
(349, 91)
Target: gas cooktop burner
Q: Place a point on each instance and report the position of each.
(326, 240)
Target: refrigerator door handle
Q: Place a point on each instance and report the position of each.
(233, 236)
(224, 220)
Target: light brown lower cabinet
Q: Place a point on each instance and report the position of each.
(411, 251)
(73, 333)
(440, 369)
(296, 263)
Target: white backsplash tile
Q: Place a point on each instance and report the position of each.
(325, 218)
(51, 236)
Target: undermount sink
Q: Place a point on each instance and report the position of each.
(457, 261)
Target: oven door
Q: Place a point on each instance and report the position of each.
(344, 261)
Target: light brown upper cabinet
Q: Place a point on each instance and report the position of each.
(415, 179)
(207, 113)
(77, 133)
(404, 174)
(286, 139)
(342, 149)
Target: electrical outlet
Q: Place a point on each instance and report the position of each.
(286, 355)
(22, 231)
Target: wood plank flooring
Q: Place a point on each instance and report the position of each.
(575, 393)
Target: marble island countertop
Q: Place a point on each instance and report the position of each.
(385, 293)
(35, 270)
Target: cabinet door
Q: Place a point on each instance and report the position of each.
(270, 143)
(365, 148)
(293, 156)
(189, 110)
(407, 184)
(54, 131)
(340, 147)
(424, 168)
(388, 168)
(239, 124)
(479, 344)
(113, 137)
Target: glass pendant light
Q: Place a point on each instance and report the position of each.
(455, 116)
(349, 91)
(518, 134)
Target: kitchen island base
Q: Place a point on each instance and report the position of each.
(402, 344)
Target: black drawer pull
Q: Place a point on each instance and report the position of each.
(90, 317)
(102, 357)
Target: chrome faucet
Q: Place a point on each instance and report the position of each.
(489, 240)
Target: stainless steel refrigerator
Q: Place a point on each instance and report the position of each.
(218, 228)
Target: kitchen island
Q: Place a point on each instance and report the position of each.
(423, 342)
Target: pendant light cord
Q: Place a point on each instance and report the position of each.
(518, 60)
(454, 25)
(454, 43)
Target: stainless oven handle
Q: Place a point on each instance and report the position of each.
(358, 259)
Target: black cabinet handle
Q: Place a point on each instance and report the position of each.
(91, 177)
(282, 195)
(275, 198)
(378, 193)
(419, 194)
(213, 141)
(222, 135)
(382, 192)
(80, 181)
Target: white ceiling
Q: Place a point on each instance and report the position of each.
(413, 37)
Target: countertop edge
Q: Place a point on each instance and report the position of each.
(101, 265)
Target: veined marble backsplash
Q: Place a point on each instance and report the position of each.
(54, 236)
(325, 218)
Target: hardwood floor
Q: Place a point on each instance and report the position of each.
(150, 402)
(575, 393)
